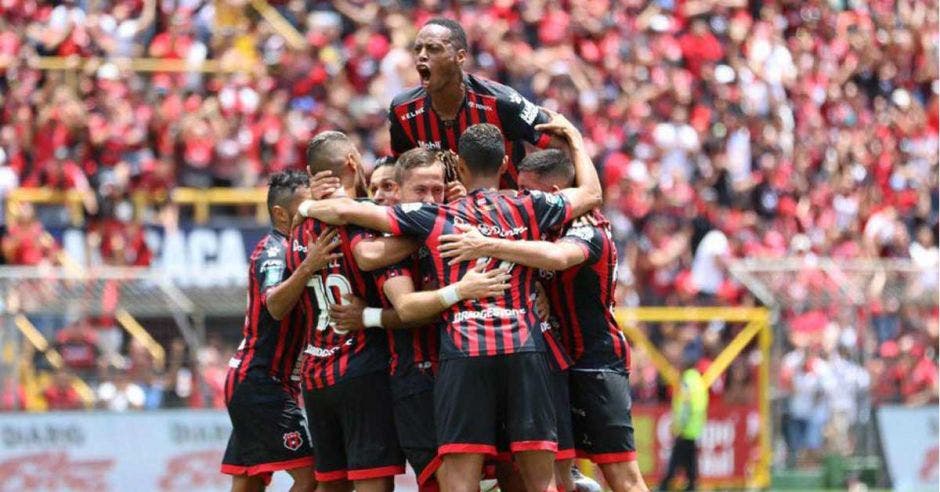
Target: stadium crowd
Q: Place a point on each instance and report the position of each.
(723, 129)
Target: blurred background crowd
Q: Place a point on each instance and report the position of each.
(722, 129)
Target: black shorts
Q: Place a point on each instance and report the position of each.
(562, 402)
(268, 430)
(414, 421)
(600, 414)
(353, 430)
(474, 395)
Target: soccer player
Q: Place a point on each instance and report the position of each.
(410, 287)
(578, 271)
(268, 432)
(493, 366)
(382, 185)
(434, 114)
(344, 374)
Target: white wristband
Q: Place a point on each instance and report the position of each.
(304, 208)
(372, 317)
(449, 296)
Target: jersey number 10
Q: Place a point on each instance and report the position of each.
(327, 294)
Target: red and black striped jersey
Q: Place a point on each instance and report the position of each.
(269, 347)
(414, 123)
(332, 355)
(414, 346)
(499, 325)
(582, 298)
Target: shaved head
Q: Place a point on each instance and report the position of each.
(327, 151)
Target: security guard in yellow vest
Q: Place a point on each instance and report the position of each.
(689, 412)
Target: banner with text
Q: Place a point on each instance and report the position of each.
(162, 451)
(910, 442)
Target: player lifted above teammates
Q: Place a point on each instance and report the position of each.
(493, 367)
(268, 427)
(448, 101)
(579, 272)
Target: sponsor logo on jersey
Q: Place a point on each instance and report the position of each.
(411, 114)
(293, 440)
(584, 232)
(489, 313)
(495, 230)
(321, 352)
(476, 105)
(529, 112)
(430, 145)
(298, 246)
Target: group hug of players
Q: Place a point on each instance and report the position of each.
(460, 320)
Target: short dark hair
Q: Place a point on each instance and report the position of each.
(550, 163)
(413, 159)
(481, 147)
(327, 151)
(457, 35)
(384, 161)
(282, 185)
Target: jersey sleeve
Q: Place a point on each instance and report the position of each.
(382, 275)
(413, 219)
(519, 117)
(551, 209)
(270, 269)
(588, 237)
(401, 142)
(355, 234)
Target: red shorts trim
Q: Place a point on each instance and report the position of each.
(468, 448)
(533, 446)
(381, 472)
(565, 454)
(503, 456)
(607, 458)
(264, 468)
(330, 476)
(428, 472)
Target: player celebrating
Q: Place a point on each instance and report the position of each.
(382, 184)
(493, 365)
(435, 114)
(268, 427)
(579, 271)
(345, 382)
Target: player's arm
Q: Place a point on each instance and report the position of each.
(280, 298)
(471, 244)
(342, 211)
(587, 193)
(372, 254)
(414, 306)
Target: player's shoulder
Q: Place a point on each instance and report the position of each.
(489, 87)
(408, 96)
(272, 245)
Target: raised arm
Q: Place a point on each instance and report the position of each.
(545, 255)
(372, 254)
(587, 193)
(342, 211)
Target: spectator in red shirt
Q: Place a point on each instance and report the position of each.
(26, 241)
(700, 46)
(61, 393)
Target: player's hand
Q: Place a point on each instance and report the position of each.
(477, 284)
(468, 245)
(559, 125)
(542, 307)
(455, 190)
(323, 184)
(320, 252)
(348, 315)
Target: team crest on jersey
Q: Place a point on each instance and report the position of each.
(411, 207)
(273, 251)
(293, 440)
